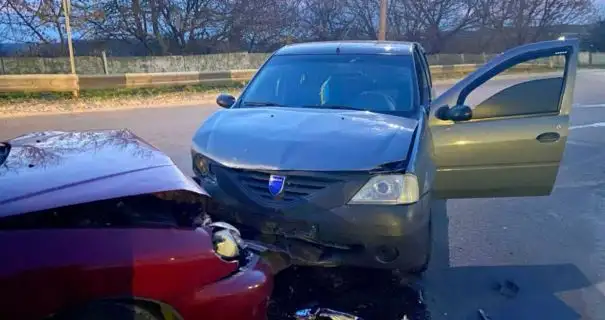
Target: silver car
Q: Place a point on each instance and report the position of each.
(336, 150)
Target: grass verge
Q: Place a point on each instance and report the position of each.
(100, 94)
(22, 103)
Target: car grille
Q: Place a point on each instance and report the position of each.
(296, 187)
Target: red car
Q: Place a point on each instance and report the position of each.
(102, 225)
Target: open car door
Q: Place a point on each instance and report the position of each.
(511, 144)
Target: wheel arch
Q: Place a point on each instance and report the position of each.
(160, 309)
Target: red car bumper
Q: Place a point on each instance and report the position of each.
(241, 296)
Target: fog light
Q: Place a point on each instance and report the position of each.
(385, 254)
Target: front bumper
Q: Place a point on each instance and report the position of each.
(317, 232)
(243, 295)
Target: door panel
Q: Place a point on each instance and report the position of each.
(515, 144)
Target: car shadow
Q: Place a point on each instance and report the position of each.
(504, 292)
(554, 291)
(444, 292)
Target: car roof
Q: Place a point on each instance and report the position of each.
(349, 47)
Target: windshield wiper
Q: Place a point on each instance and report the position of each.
(262, 104)
(333, 106)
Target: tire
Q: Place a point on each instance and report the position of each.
(419, 270)
(108, 311)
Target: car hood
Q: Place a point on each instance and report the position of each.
(304, 139)
(51, 169)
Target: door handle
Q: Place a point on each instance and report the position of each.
(548, 137)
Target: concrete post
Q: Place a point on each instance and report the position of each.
(105, 65)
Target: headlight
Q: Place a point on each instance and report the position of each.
(225, 245)
(227, 240)
(201, 168)
(388, 189)
(201, 164)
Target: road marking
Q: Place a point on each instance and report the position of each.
(583, 184)
(598, 105)
(590, 125)
(580, 143)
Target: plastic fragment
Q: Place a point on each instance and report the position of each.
(323, 314)
(483, 315)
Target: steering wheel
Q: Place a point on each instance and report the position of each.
(378, 101)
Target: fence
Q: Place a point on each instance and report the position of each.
(200, 63)
(75, 83)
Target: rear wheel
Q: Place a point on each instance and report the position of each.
(109, 311)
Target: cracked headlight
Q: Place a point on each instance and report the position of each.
(389, 189)
(201, 164)
(226, 245)
(202, 168)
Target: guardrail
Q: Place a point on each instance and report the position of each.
(76, 83)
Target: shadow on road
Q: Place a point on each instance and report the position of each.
(507, 292)
(444, 292)
(502, 292)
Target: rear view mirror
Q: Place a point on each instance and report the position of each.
(225, 100)
(456, 113)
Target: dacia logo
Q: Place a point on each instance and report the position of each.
(276, 185)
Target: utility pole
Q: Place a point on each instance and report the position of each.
(382, 33)
(72, 62)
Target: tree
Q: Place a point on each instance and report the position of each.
(595, 41)
(531, 19)
(30, 20)
(324, 19)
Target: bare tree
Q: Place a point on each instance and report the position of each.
(366, 14)
(324, 19)
(30, 20)
(531, 19)
(595, 40)
(205, 26)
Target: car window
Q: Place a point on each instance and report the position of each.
(511, 93)
(378, 83)
(423, 81)
(427, 73)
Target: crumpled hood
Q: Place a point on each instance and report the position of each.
(304, 139)
(54, 168)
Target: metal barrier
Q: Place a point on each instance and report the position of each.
(76, 83)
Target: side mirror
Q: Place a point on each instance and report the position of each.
(225, 100)
(456, 113)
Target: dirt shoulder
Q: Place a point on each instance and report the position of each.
(36, 106)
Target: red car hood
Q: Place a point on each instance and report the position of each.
(52, 169)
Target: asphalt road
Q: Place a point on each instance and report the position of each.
(552, 249)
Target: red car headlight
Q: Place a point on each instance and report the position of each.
(227, 241)
(225, 245)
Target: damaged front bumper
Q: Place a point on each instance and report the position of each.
(365, 236)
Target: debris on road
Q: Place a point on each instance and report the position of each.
(483, 315)
(507, 288)
(358, 293)
(323, 314)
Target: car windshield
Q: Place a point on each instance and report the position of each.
(377, 83)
